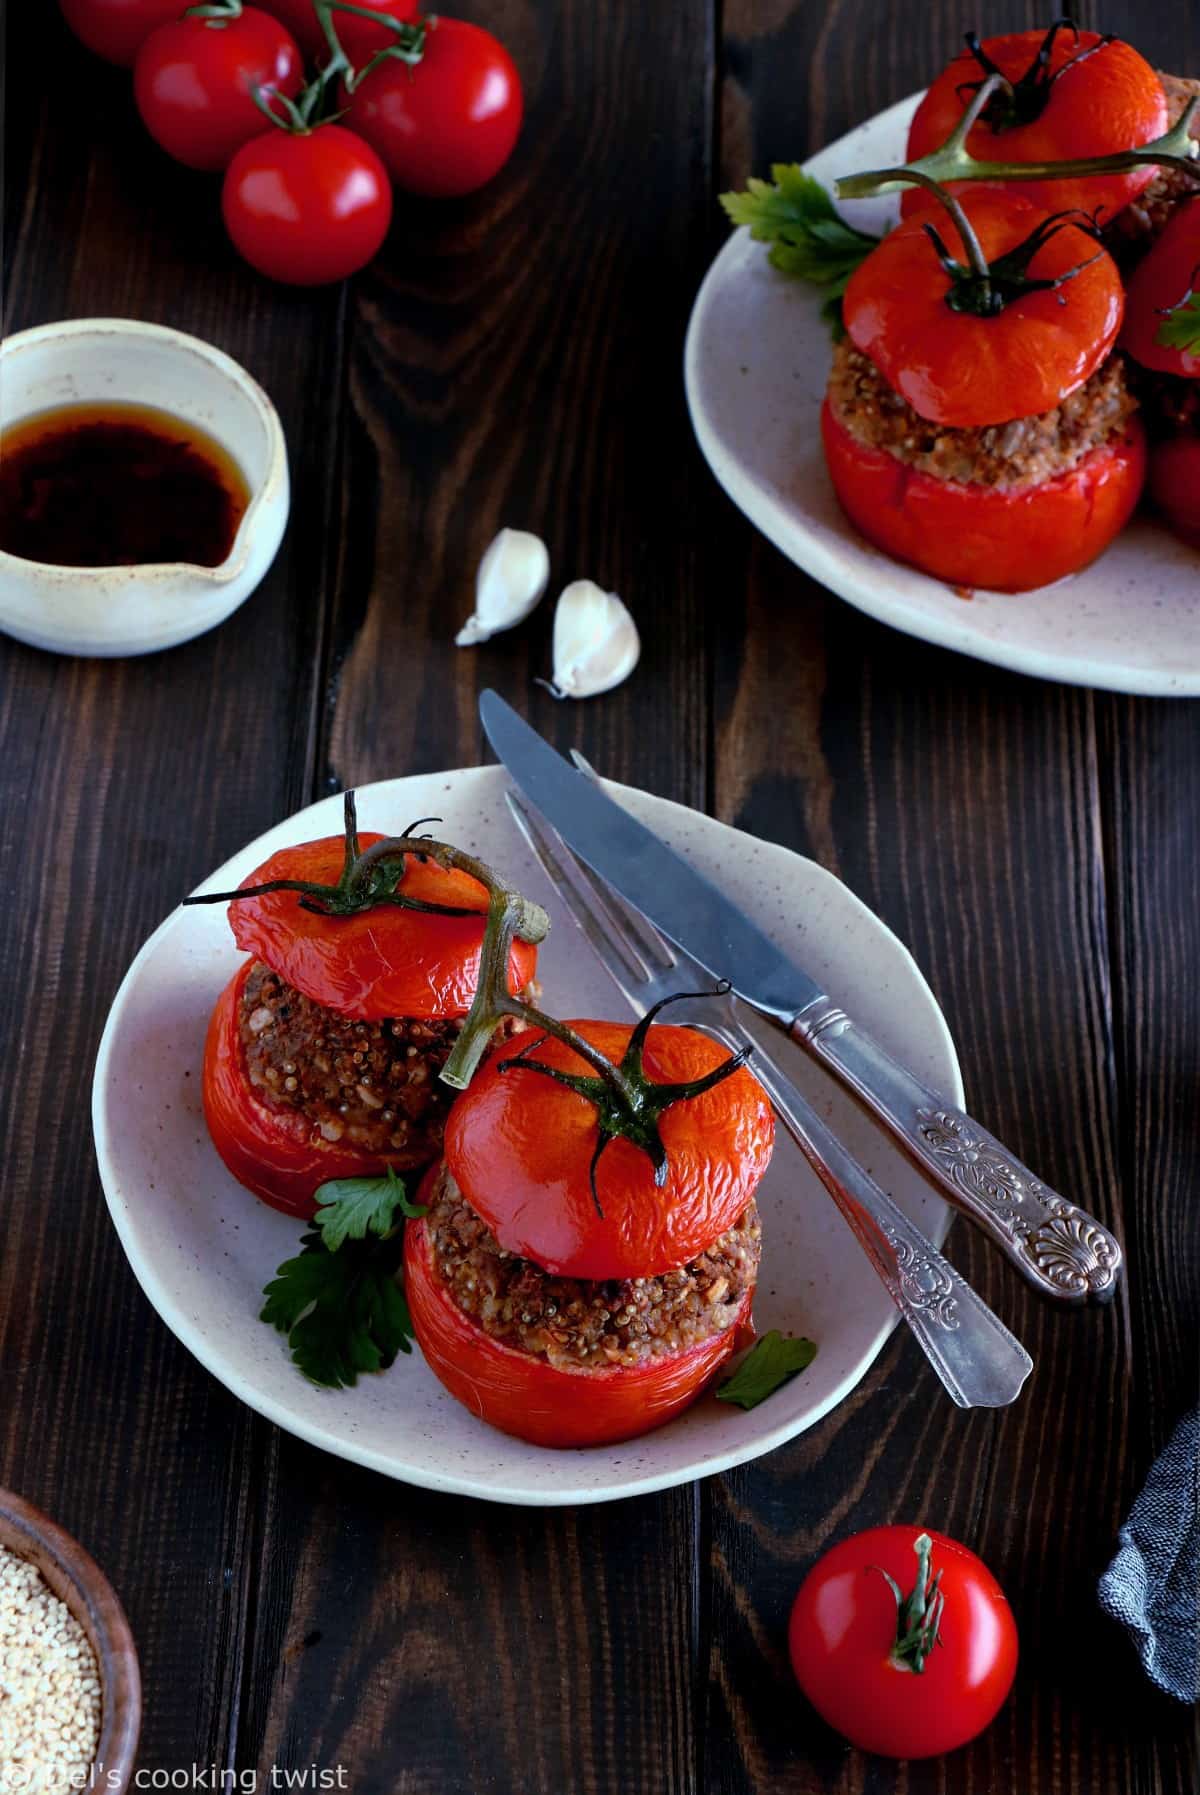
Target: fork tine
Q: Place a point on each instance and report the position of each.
(608, 942)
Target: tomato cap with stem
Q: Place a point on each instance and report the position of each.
(953, 161)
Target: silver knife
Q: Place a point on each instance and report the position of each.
(1060, 1249)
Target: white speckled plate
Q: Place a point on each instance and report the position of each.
(755, 368)
(202, 1247)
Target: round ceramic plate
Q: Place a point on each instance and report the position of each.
(755, 367)
(202, 1247)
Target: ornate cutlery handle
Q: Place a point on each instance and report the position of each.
(977, 1359)
(1060, 1249)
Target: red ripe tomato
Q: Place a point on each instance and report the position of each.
(956, 368)
(523, 1394)
(969, 535)
(1175, 484)
(1092, 98)
(307, 207)
(194, 83)
(386, 961)
(276, 1153)
(1167, 277)
(361, 39)
(300, 17)
(449, 124)
(520, 1147)
(844, 1632)
(117, 29)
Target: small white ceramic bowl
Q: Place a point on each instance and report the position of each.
(135, 610)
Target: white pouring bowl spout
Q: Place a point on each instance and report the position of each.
(137, 610)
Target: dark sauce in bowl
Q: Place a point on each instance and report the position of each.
(104, 485)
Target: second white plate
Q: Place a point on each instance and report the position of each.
(756, 364)
(202, 1247)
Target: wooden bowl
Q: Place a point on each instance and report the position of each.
(79, 1582)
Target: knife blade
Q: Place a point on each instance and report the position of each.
(1060, 1249)
(686, 906)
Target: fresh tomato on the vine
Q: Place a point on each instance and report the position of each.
(903, 1641)
(300, 17)
(117, 29)
(195, 80)
(1071, 93)
(307, 207)
(361, 38)
(446, 124)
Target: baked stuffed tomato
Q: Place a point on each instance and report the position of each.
(324, 1050)
(586, 1261)
(1162, 337)
(977, 424)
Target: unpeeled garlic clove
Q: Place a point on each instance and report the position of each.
(596, 642)
(512, 577)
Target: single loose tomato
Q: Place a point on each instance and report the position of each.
(1174, 484)
(1165, 282)
(1004, 539)
(1088, 96)
(448, 124)
(522, 1393)
(194, 83)
(307, 207)
(117, 29)
(387, 961)
(520, 1146)
(847, 1641)
(276, 1153)
(957, 367)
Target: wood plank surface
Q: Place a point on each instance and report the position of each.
(515, 359)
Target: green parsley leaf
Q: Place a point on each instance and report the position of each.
(774, 1360)
(352, 1208)
(809, 241)
(1180, 328)
(344, 1312)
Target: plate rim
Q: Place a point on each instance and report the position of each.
(824, 566)
(191, 1336)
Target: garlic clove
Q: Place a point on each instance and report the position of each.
(512, 576)
(596, 642)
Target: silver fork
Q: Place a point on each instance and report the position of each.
(977, 1359)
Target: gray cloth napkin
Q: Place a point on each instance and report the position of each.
(1152, 1585)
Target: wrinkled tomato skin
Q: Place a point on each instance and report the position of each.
(1174, 485)
(1162, 280)
(194, 81)
(528, 1397)
(117, 29)
(307, 208)
(843, 1625)
(448, 125)
(983, 536)
(270, 1151)
(519, 1146)
(1112, 101)
(386, 962)
(958, 369)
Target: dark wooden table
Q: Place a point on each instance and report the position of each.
(516, 358)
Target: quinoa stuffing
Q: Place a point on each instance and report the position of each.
(373, 1083)
(49, 1686)
(571, 1322)
(1024, 452)
(1137, 224)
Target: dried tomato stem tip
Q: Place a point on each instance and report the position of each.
(919, 1615)
(1177, 148)
(1022, 101)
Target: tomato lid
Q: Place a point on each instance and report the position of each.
(958, 368)
(521, 1146)
(384, 961)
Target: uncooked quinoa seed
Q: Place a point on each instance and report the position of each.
(49, 1687)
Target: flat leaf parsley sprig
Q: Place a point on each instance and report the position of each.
(340, 1301)
(809, 239)
(1180, 328)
